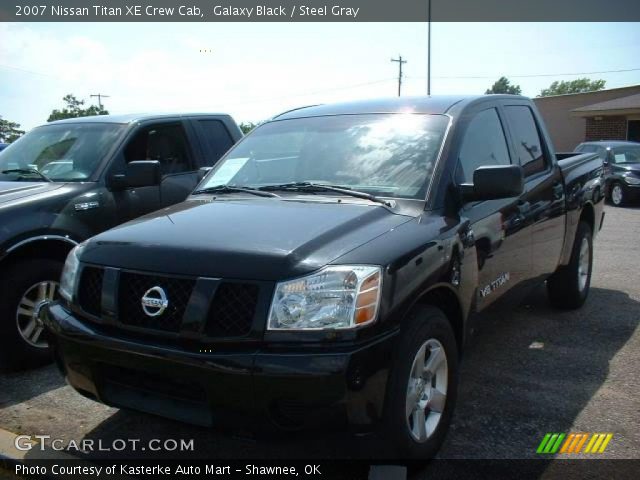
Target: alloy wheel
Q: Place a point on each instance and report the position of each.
(28, 320)
(427, 390)
(616, 195)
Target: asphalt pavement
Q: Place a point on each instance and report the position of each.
(528, 371)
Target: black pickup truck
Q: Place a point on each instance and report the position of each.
(325, 271)
(66, 181)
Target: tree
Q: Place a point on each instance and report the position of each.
(246, 127)
(579, 85)
(9, 131)
(73, 109)
(503, 85)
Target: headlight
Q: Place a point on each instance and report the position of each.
(69, 276)
(335, 297)
(631, 180)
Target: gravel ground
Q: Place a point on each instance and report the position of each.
(585, 378)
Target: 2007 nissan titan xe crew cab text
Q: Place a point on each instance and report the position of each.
(326, 269)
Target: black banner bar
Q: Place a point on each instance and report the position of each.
(314, 469)
(319, 11)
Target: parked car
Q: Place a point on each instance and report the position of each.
(621, 167)
(3, 146)
(326, 270)
(65, 181)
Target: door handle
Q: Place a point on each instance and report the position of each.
(558, 190)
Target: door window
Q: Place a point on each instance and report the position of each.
(483, 144)
(166, 143)
(527, 139)
(217, 139)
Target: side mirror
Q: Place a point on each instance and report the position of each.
(493, 182)
(139, 173)
(203, 172)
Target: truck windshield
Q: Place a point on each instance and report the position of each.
(390, 155)
(63, 152)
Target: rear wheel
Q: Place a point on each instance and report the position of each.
(569, 286)
(422, 386)
(25, 288)
(618, 196)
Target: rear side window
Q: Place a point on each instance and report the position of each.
(483, 144)
(217, 139)
(527, 139)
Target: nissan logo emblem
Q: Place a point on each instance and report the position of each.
(154, 302)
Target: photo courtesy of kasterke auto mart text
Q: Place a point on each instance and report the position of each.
(327, 270)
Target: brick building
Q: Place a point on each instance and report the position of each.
(605, 115)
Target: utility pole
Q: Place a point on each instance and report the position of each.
(400, 62)
(100, 97)
(429, 47)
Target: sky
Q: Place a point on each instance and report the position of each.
(256, 70)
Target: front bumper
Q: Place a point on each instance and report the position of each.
(255, 386)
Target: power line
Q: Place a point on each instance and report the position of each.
(400, 63)
(304, 94)
(533, 75)
(9, 67)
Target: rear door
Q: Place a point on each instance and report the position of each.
(503, 246)
(543, 202)
(214, 138)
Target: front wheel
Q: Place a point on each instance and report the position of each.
(569, 286)
(422, 387)
(618, 196)
(25, 288)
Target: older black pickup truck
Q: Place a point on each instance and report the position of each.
(327, 268)
(65, 181)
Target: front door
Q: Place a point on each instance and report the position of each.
(502, 242)
(167, 143)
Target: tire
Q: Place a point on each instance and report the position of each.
(21, 297)
(428, 327)
(617, 194)
(568, 287)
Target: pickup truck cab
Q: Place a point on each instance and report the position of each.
(68, 180)
(325, 271)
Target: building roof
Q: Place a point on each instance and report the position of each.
(614, 106)
(438, 104)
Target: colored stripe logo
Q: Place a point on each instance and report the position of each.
(553, 443)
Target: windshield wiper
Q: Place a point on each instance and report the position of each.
(320, 187)
(234, 189)
(27, 171)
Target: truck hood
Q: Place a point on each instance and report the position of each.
(258, 239)
(10, 191)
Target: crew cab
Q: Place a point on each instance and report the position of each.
(68, 180)
(326, 270)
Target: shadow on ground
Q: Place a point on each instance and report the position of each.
(17, 387)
